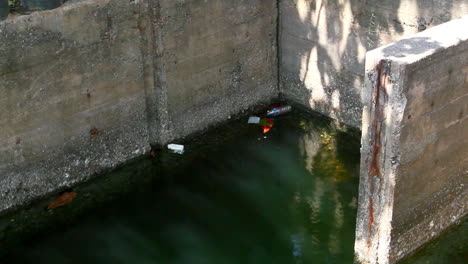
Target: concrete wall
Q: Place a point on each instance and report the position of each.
(90, 85)
(323, 45)
(414, 156)
(214, 59)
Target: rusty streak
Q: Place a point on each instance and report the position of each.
(371, 212)
(379, 99)
(94, 132)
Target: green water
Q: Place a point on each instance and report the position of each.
(235, 197)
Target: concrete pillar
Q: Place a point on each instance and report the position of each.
(414, 155)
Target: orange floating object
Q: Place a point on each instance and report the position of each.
(266, 129)
(266, 124)
(62, 200)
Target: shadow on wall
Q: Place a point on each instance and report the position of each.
(412, 46)
(324, 43)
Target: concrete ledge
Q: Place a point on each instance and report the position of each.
(414, 156)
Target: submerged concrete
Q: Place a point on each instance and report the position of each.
(323, 44)
(414, 156)
(92, 84)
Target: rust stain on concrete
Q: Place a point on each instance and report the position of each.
(94, 132)
(379, 100)
(371, 213)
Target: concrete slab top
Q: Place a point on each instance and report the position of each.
(423, 44)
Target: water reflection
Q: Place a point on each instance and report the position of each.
(289, 198)
(320, 202)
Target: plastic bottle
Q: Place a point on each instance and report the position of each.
(279, 110)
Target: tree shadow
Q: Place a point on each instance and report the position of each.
(323, 45)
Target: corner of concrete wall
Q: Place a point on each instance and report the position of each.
(323, 46)
(414, 145)
(214, 59)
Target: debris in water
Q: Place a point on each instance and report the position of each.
(254, 120)
(179, 149)
(267, 124)
(62, 200)
(276, 111)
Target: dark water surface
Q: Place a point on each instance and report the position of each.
(289, 197)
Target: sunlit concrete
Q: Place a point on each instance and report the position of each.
(323, 46)
(414, 155)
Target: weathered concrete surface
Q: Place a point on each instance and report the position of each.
(217, 57)
(72, 98)
(90, 85)
(323, 45)
(414, 156)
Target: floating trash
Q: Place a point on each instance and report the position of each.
(254, 120)
(276, 111)
(175, 148)
(267, 124)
